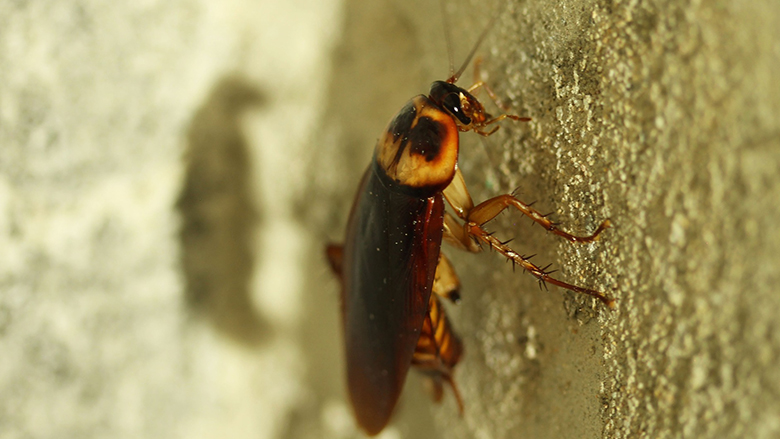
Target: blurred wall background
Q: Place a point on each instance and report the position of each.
(150, 272)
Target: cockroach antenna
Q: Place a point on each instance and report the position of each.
(456, 75)
(447, 37)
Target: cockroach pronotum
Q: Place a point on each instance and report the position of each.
(390, 261)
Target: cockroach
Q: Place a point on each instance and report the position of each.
(390, 261)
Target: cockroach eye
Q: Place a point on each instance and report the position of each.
(452, 103)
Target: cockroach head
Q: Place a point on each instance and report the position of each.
(464, 108)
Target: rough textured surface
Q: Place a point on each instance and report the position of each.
(169, 173)
(662, 116)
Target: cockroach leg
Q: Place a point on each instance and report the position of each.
(476, 86)
(457, 195)
(455, 392)
(434, 381)
(486, 133)
(540, 273)
(334, 253)
(434, 387)
(479, 83)
(456, 235)
(507, 116)
(445, 282)
(438, 349)
(488, 210)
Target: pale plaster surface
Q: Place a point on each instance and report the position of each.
(134, 215)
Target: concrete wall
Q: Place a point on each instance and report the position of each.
(169, 173)
(149, 276)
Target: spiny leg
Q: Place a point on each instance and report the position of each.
(487, 210)
(478, 232)
(438, 350)
(458, 197)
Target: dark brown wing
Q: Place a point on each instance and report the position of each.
(388, 265)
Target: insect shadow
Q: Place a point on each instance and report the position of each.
(219, 214)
